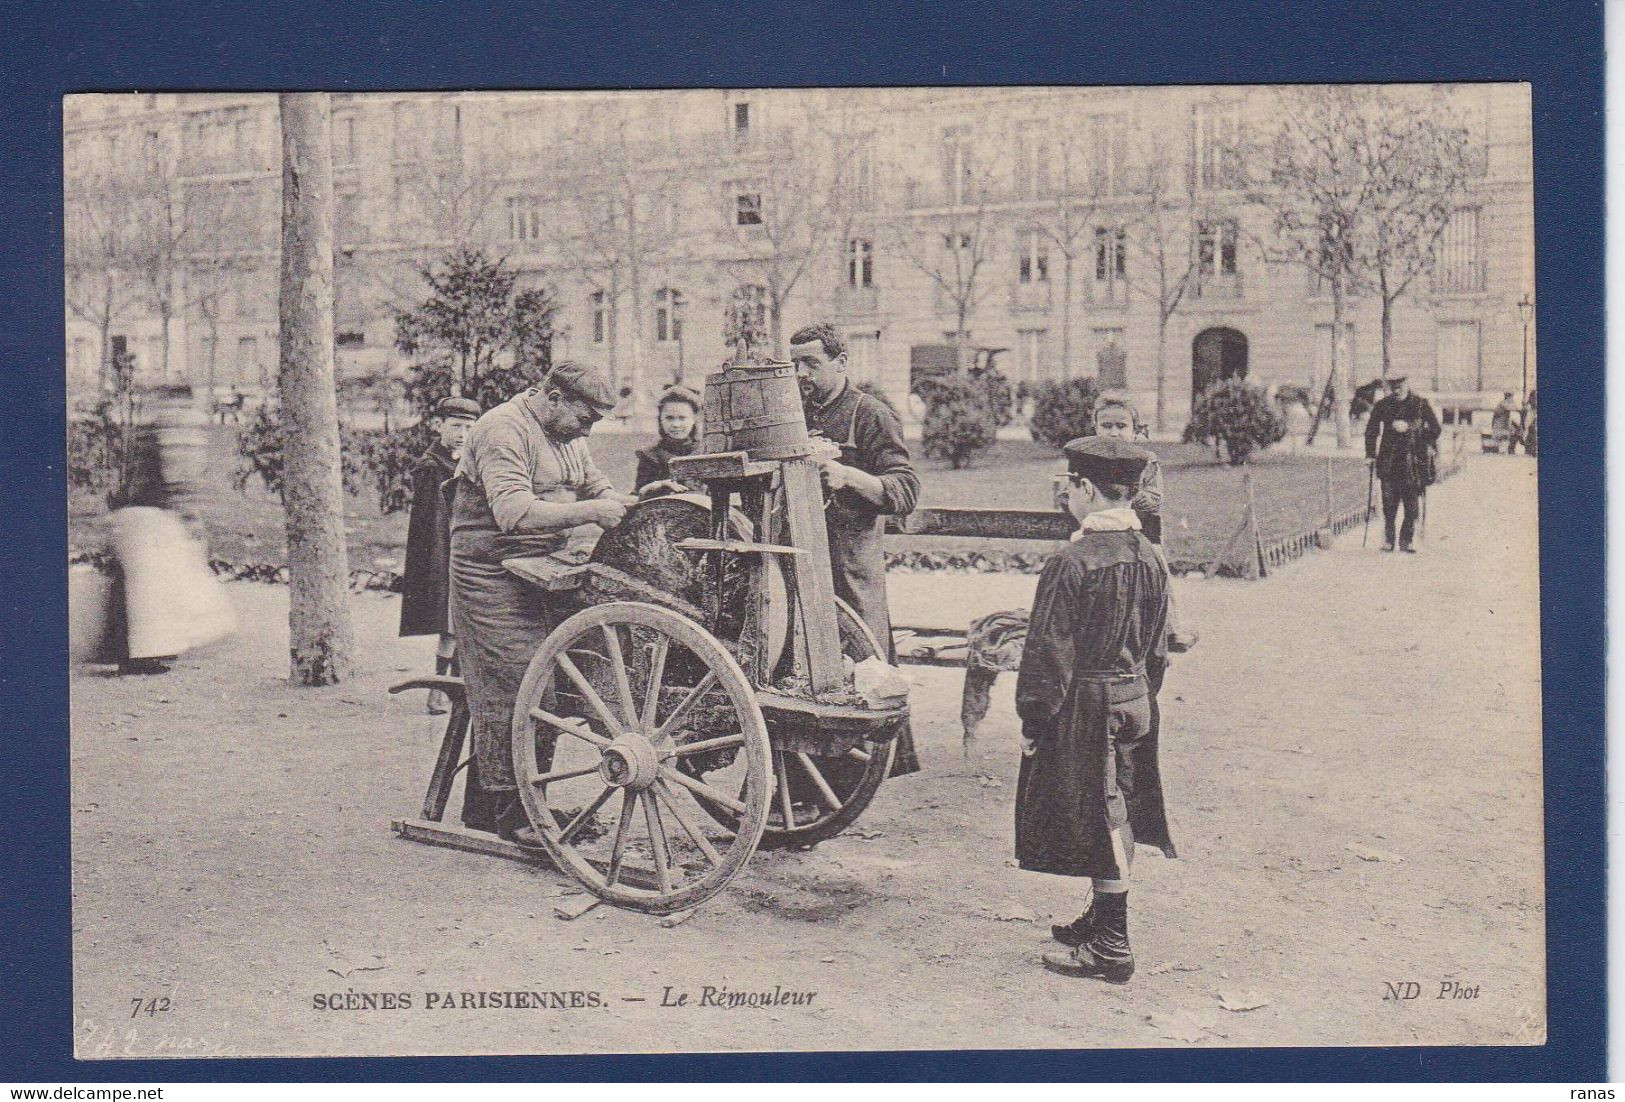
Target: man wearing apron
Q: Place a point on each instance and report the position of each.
(873, 478)
(525, 478)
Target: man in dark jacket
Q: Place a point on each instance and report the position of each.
(1399, 439)
(426, 585)
(1090, 787)
(873, 478)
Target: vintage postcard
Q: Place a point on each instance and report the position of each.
(804, 569)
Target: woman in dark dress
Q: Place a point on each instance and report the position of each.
(679, 419)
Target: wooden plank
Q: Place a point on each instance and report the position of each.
(1012, 524)
(453, 836)
(719, 465)
(545, 571)
(813, 582)
(737, 547)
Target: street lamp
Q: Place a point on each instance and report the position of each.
(1526, 311)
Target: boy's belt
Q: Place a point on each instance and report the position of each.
(1109, 676)
(1117, 686)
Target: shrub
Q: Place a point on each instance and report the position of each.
(958, 420)
(1239, 416)
(259, 452)
(387, 458)
(879, 395)
(1001, 397)
(1064, 411)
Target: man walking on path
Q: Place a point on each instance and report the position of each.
(1399, 439)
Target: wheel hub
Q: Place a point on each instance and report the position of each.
(630, 762)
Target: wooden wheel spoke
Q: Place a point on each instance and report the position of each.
(687, 705)
(563, 775)
(704, 791)
(619, 849)
(782, 776)
(857, 753)
(722, 742)
(573, 727)
(657, 675)
(657, 842)
(583, 815)
(698, 836)
(588, 693)
(831, 801)
(617, 665)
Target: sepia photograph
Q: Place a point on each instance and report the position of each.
(803, 569)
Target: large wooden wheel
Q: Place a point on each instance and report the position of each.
(824, 793)
(626, 797)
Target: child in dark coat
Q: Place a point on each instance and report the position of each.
(679, 413)
(426, 584)
(1090, 785)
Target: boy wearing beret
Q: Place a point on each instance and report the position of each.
(1089, 786)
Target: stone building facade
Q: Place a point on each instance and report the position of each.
(1052, 223)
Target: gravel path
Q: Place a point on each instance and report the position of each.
(1353, 758)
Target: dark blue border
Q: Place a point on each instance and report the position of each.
(57, 48)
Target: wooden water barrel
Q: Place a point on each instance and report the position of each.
(755, 408)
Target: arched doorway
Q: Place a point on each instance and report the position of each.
(1217, 354)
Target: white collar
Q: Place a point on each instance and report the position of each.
(1120, 519)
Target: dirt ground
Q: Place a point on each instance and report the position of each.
(1353, 762)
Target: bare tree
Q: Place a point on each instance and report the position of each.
(1162, 265)
(796, 206)
(1073, 193)
(613, 210)
(950, 245)
(1421, 160)
(98, 281)
(322, 638)
(164, 232)
(1360, 184)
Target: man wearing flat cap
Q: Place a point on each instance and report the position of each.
(426, 580)
(1089, 787)
(525, 478)
(1399, 439)
(873, 478)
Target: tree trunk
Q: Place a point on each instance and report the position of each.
(1387, 320)
(1340, 365)
(104, 368)
(321, 637)
(163, 341)
(1066, 315)
(1161, 420)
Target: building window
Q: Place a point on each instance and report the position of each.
(748, 208)
(958, 165)
(741, 121)
(1032, 162)
(600, 317)
(344, 140)
(248, 361)
(1034, 262)
(1216, 146)
(1108, 152)
(860, 262)
(1030, 354)
(1457, 365)
(862, 174)
(1111, 263)
(1111, 360)
(524, 218)
(863, 355)
(668, 314)
(1216, 257)
(1461, 267)
(406, 127)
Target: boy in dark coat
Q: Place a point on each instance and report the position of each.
(679, 420)
(426, 586)
(1089, 786)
